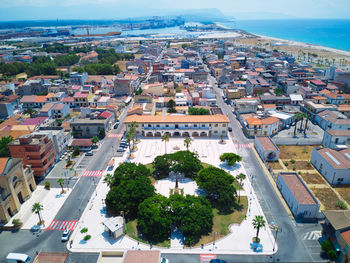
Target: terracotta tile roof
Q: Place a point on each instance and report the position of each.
(67, 99)
(269, 106)
(137, 256)
(40, 99)
(3, 162)
(50, 95)
(325, 91)
(341, 133)
(298, 189)
(344, 108)
(317, 82)
(266, 143)
(80, 95)
(346, 236)
(81, 142)
(28, 99)
(177, 119)
(253, 121)
(270, 120)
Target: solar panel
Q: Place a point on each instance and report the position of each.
(333, 158)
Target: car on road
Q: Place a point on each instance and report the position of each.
(229, 128)
(218, 261)
(18, 257)
(65, 235)
(164, 260)
(123, 145)
(120, 149)
(89, 153)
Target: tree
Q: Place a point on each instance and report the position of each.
(76, 151)
(134, 127)
(240, 179)
(30, 112)
(36, 208)
(230, 158)
(297, 116)
(60, 181)
(307, 116)
(187, 142)
(101, 133)
(192, 215)
(171, 106)
(95, 140)
(219, 188)
(278, 91)
(165, 138)
(154, 218)
(198, 111)
(128, 138)
(4, 148)
(129, 187)
(162, 165)
(258, 222)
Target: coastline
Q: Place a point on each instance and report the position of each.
(302, 44)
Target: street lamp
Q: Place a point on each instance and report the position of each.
(276, 228)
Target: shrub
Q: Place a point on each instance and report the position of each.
(299, 173)
(294, 167)
(326, 245)
(308, 163)
(84, 230)
(16, 222)
(87, 237)
(341, 204)
(76, 151)
(286, 163)
(292, 161)
(332, 254)
(47, 185)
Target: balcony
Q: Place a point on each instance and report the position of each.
(176, 129)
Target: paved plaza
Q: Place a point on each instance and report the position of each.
(237, 242)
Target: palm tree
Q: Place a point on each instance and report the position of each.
(187, 142)
(297, 117)
(60, 181)
(165, 138)
(36, 208)
(108, 179)
(240, 179)
(258, 222)
(134, 126)
(128, 138)
(307, 116)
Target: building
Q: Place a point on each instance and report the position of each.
(16, 185)
(317, 85)
(179, 125)
(136, 256)
(115, 226)
(60, 111)
(246, 106)
(35, 150)
(83, 144)
(266, 148)
(78, 78)
(297, 195)
(88, 128)
(333, 165)
(34, 87)
(333, 120)
(336, 139)
(257, 126)
(126, 85)
(81, 99)
(337, 230)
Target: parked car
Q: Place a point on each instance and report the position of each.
(123, 145)
(65, 235)
(120, 149)
(164, 260)
(229, 128)
(89, 153)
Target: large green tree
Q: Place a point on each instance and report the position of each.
(219, 188)
(4, 149)
(230, 158)
(162, 165)
(130, 186)
(198, 111)
(154, 218)
(192, 215)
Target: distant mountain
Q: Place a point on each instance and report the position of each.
(261, 16)
(199, 15)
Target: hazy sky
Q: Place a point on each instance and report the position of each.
(115, 9)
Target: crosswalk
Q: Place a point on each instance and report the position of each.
(312, 235)
(62, 225)
(118, 135)
(92, 173)
(243, 145)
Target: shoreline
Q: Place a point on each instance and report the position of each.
(302, 44)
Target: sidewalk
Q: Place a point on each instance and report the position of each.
(237, 242)
(51, 200)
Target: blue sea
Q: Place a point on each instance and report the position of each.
(333, 33)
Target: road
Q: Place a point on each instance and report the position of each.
(25, 241)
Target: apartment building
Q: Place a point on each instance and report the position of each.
(16, 185)
(179, 125)
(35, 150)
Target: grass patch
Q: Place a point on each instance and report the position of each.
(275, 166)
(344, 191)
(150, 167)
(303, 165)
(222, 222)
(131, 231)
(312, 178)
(296, 152)
(327, 197)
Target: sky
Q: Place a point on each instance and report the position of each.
(118, 9)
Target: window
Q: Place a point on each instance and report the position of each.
(195, 125)
(215, 131)
(224, 125)
(149, 125)
(167, 125)
(216, 125)
(158, 125)
(186, 125)
(203, 125)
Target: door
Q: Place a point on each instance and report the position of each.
(20, 197)
(10, 212)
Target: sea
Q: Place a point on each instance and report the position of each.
(332, 33)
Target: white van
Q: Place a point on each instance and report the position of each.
(18, 258)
